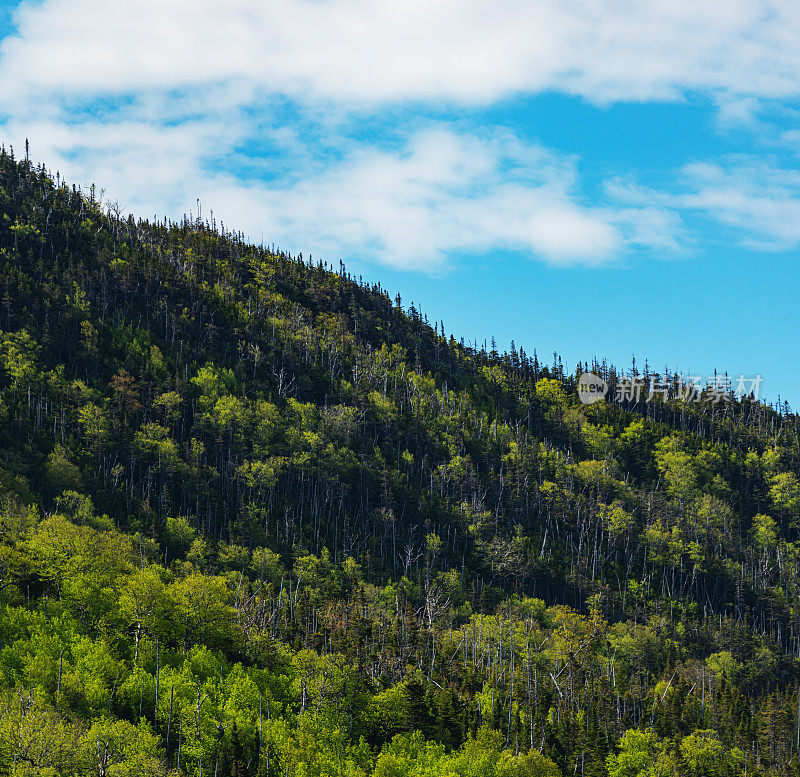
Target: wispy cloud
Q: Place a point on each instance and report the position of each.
(757, 201)
(442, 193)
(448, 193)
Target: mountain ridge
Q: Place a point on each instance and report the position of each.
(287, 478)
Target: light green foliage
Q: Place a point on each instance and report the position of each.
(169, 403)
(229, 414)
(634, 447)
(785, 494)
(202, 606)
(35, 741)
(84, 564)
(146, 604)
(261, 474)
(531, 764)
(212, 384)
(678, 468)
(388, 713)
(483, 756)
(154, 442)
(234, 557)
(29, 726)
(714, 518)
(597, 474)
(723, 664)
(315, 747)
(123, 750)
(409, 756)
(267, 426)
(267, 565)
(551, 391)
(197, 555)
(433, 544)
(641, 754)
(95, 424)
(61, 472)
(705, 756)
(341, 421)
(383, 407)
(89, 678)
(18, 358)
(323, 578)
(598, 440)
(79, 509)
(616, 519)
(179, 534)
(765, 531)
(16, 518)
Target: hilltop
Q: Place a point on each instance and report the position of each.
(259, 518)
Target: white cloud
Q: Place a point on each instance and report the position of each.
(441, 195)
(445, 194)
(363, 50)
(149, 168)
(161, 101)
(761, 202)
(758, 201)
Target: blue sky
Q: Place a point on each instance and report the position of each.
(593, 178)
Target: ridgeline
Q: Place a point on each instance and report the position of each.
(257, 518)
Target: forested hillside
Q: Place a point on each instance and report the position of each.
(258, 518)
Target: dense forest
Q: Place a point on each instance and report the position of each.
(259, 518)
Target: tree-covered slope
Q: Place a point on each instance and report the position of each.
(258, 518)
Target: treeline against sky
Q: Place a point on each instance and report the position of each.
(258, 518)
